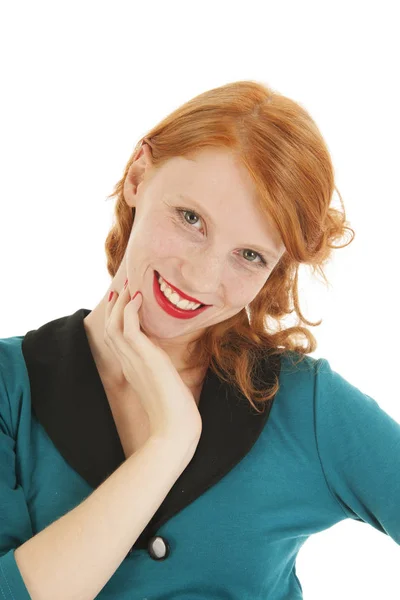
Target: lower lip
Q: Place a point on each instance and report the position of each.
(170, 308)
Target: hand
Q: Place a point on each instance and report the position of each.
(169, 403)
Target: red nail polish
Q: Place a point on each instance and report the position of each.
(126, 283)
(110, 296)
(134, 296)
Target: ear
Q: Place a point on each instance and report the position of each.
(141, 163)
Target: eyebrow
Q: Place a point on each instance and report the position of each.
(202, 210)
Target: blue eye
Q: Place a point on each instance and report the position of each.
(182, 211)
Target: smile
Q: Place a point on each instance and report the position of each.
(168, 306)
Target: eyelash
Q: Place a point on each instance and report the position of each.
(180, 211)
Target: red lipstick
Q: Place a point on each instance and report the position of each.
(170, 308)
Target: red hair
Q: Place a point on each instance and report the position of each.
(284, 152)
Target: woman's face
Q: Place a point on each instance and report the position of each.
(197, 224)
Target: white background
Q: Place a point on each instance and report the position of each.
(83, 81)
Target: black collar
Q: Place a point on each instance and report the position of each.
(69, 401)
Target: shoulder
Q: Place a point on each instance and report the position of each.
(12, 362)
(13, 382)
(295, 366)
(315, 373)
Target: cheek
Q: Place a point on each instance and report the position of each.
(166, 242)
(242, 291)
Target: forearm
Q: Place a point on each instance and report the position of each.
(74, 557)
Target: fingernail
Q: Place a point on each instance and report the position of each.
(134, 296)
(126, 283)
(110, 296)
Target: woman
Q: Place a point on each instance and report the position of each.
(171, 442)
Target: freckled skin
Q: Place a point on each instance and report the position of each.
(214, 263)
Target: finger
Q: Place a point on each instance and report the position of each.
(114, 316)
(114, 336)
(131, 323)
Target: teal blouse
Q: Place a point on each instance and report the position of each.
(258, 486)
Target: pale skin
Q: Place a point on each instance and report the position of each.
(77, 554)
(216, 262)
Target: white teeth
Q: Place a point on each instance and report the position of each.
(175, 298)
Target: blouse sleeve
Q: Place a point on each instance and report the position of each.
(15, 522)
(359, 449)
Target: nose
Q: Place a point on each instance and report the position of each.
(203, 279)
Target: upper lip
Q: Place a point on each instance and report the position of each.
(178, 291)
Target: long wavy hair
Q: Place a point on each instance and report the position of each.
(285, 154)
